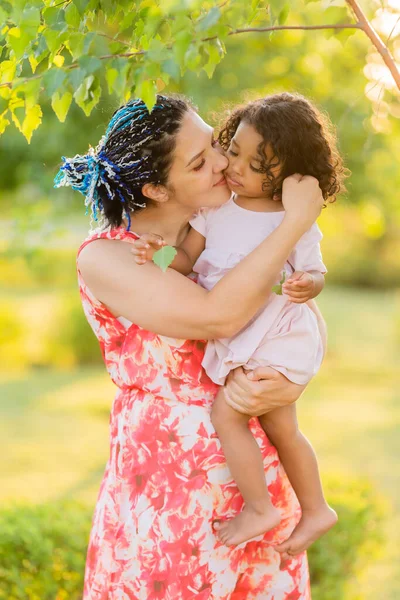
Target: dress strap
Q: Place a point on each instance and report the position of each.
(118, 233)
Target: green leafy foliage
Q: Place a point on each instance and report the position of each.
(43, 548)
(136, 46)
(164, 257)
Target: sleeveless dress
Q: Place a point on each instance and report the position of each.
(166, 480)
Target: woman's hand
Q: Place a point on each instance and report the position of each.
(257, 392)
(145, 247)
(302, 199)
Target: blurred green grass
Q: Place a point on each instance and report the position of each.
(54, 423)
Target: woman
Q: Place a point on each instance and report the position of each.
(166, 482)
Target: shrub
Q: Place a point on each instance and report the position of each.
(73, 341)
(43, 548)
(42, 551)
(354, 542)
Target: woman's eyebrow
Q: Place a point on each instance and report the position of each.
(195, 157)
(200, 153)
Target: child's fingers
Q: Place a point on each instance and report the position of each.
(302, 294)
(299, 300)
(296, 291)
(148, 240)
(296, 276)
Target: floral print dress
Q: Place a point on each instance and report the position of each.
(166, 480)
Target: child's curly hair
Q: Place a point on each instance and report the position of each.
(301, 137)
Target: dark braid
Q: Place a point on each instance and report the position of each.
(136, 149)
(300, 136)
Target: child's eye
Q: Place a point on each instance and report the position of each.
(200, 165)
(259, 170)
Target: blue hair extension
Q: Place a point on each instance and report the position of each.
(122, 163)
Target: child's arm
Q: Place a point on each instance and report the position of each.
(308, 279)
(303, 286)
(187, 252)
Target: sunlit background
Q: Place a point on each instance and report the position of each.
(55, 394)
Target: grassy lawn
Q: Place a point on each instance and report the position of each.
(54, 424)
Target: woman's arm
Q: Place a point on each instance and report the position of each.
(170, 304)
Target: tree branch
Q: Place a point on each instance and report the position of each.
(290, 27)
(376, 40)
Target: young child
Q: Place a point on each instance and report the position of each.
(266, 141)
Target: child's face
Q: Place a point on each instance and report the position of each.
(244, 173)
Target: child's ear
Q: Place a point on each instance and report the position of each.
(155, 192)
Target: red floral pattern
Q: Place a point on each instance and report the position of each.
(166, 480)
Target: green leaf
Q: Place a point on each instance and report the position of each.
(90, 64)
(52, 40)
(53, 80)
(88, 94)
(212, 17)
(147, 91)
(164, 257)
(277, 289)
(215, 53)
(284, 13)
(81, 6)
(30, 17)
(54, 17)
(60, 104)
(75, 44)
(182, 42)
(171, 68)
(156, 50)
(72, 16)
(18, 40)
(76, 77)
(111, 76)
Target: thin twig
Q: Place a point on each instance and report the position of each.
(289, 27)
(376, 40)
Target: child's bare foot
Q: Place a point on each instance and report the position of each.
(247, 525)
(312, 525)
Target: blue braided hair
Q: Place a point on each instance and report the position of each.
(137, 148)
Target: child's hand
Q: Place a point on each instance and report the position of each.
(300, 287)
(145, 247)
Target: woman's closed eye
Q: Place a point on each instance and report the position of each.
(203, 162)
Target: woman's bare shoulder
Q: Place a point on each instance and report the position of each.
(101, 253)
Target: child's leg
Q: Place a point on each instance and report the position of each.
(245, 462)
(300, 463)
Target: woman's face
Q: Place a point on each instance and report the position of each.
(196, 178)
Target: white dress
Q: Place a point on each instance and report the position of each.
(282, 335)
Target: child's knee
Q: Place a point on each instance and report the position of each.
(281, 431)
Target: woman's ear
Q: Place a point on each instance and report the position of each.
(155, 192)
